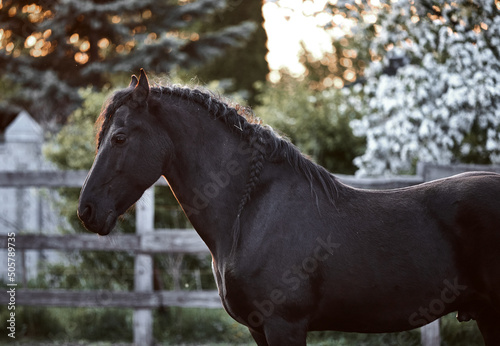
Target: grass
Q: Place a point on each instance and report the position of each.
(176, 326)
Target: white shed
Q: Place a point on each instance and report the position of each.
(25, 210)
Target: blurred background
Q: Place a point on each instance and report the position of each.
(369, 88)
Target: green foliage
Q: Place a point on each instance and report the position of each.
(90, 270)
(452, 333)
(32, 323)
(99, 324)
(252, 55)
(410, 338)
(7, 112)
(174, 326)
(38, 325)
(178, 326)
(168, 213)
(316, 121)
(459, 333)
(78, 134)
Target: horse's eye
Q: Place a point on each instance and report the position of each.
(119, 138)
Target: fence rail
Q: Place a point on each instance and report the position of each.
(52, 179)
(158, 241)
(49, 179)
(148, 241)
(55, 179)
(116, 299)
(380, 183)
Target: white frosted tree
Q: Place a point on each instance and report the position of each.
(443, 106)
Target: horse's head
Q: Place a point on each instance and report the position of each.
(130, 158)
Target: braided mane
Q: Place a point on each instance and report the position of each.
(265, 143)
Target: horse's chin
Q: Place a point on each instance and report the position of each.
(103, 228)
(109, 224)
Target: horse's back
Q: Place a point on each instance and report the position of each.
(478, 220)
(478, 229)
(420, 241)
(467, 207)
(473, 202)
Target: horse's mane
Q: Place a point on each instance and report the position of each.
(266, 144)
(264, 139)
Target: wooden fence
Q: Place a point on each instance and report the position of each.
(148, 241)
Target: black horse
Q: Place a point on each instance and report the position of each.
(293, 248)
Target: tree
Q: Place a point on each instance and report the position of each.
(350, 30)
(317, 121)
(443, 105)
(49, 49)
(251, 56)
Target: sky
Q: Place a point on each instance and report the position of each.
(290, 22)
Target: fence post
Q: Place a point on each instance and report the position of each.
(143, 270)
(430, 334)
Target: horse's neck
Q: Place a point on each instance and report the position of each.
(208, 175)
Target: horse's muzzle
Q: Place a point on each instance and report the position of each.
(100, 224)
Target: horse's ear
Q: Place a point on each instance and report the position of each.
(133, 82)
(141, 91)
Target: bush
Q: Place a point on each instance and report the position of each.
(317, 121)
(32, 323)
(181, 325)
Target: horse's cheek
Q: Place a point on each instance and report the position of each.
(162, 152)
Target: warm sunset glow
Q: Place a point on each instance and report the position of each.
(294, 24)
(30, 41)
(81, 58)
(85, 46)
(103, 43)
(338, 83)
(74, 38)
(146, 14)
(327, 82)
(370, 18)
(349, 75)
(346, 62)
(9, 47)
(290, 23)
(194, 36)
(150, 38)
(129, 45)
(12, 11)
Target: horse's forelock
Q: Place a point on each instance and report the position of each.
(109, 108)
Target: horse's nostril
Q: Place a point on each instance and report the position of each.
(85, 213)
